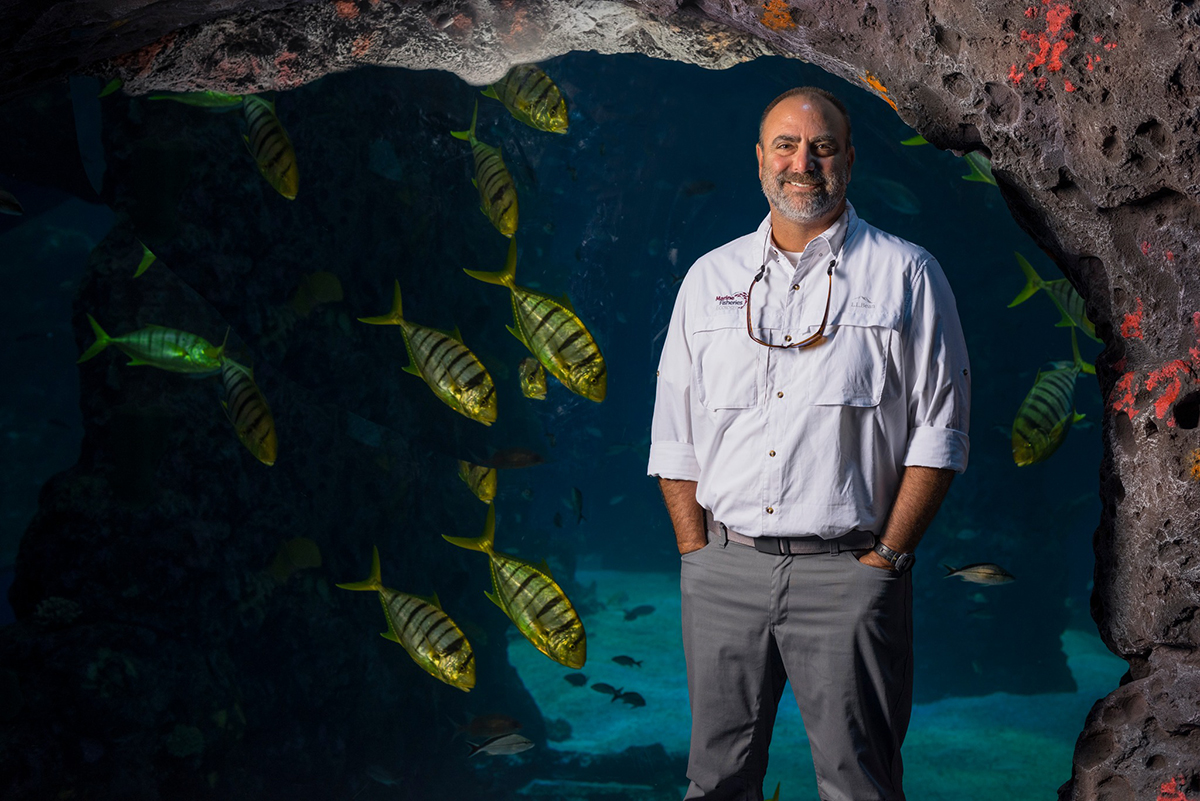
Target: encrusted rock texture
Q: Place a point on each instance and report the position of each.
(1089, 115)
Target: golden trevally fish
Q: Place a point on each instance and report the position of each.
(528, 595)
(440, 358)
(201, 99)
(164, 348)
(248, 411)
(1048, 411)
(553, 333)
(980, 573)
(481, 480)
(431, 638)
(270, 146)
(533, 378)
(530, 96)
(497, 191)
(1068, 301)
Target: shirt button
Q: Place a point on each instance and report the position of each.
(779, 394)
(787, 338)
(772, 453)
(770, 510)
(795, 287)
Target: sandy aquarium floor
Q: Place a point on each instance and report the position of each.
(999, 747)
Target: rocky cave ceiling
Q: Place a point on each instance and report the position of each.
(1088, 111)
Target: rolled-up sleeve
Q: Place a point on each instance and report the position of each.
(937, 375)
(672, 452)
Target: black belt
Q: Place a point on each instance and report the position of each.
(855, 540)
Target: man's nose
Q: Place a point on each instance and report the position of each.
(802, 161)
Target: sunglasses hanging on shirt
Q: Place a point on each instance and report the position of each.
(815, 339)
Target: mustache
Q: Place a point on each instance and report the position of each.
(805, 179)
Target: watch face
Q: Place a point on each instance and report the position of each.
(904, 562)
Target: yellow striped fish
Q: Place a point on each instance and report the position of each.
(1048, 411)
(481, 480)
(440, 358)
(164, 348)
(553, 333)
(431, 638)
(247, 410)
(1068, 301)
(528, 595)
(530, 96)
(270, 146)
(533, 378)
(497, 192)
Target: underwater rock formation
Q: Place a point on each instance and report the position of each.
(1087, 114)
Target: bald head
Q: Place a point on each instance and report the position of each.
(814, 95)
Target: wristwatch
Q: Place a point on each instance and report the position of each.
(901, 562)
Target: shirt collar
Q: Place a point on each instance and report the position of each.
(832, 237)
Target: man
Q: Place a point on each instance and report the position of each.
(811, 411)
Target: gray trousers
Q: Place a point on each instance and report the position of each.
(840, 630)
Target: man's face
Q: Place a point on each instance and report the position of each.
(803, 160)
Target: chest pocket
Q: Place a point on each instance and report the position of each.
(849, 369)
(728, 366)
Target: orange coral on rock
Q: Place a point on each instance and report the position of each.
(777, 16)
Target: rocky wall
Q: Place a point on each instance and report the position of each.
(1089, 115)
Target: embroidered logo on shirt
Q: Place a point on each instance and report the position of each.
(862, 302)
(732, 301)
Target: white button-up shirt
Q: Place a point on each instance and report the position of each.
(813, 440)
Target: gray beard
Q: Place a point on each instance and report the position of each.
(804, 209)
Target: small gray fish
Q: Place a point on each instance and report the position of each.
(638, 611)
(980, 573)
(633, 699)
(575, 504)
(601, 687)
(575, 679)
(627, 661)
(502, 745)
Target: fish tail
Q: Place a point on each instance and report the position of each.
(373, 581)
(102, 340)
(950, 571)
(1090, 369)
(394, 317)
(484, 541)
(1033, 282)
(469, 134)
(506, 277)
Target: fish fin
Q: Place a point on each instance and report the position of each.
(432, 600)
(102, 340)
(1083, 366)
(138, 363)
(1077, 417)
(516, 332)
(484, 541)
(148, 258)
(950, 571)
(915, 140)
(110, 87)
(496, 600)
(1032, 285)
(490, 92)
(981, 169)
(469, 134)
(388, 635)
(373, 581)
(249, 149)
(411, 369)
(394, 317)
(545, 568)
(506, 277)
(475, 184)
(566, 302)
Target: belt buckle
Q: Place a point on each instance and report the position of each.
(771, 545)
